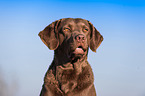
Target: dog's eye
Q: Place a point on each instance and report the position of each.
(66, 29)
(85, 30)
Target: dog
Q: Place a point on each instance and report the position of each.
(70, 74)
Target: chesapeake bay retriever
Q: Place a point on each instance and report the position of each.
(70, 73)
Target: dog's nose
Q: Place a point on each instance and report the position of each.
(80, 38)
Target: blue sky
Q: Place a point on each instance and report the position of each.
(118, 65)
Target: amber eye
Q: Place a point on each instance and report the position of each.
(85, 30)
(66, 29)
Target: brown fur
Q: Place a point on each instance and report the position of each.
(70, 73)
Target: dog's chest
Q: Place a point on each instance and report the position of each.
(67, 78)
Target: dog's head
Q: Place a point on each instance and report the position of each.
(71, 36)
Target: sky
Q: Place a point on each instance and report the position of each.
(118, 64)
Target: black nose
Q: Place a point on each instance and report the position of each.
(80, 38)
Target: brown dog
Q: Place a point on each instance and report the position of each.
(70, 73)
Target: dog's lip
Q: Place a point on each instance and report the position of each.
(78, 51)
(82, 48)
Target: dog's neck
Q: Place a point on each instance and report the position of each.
(61, 59)
(66, 72)
(66, 68)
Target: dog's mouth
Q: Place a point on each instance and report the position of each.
(78, 53)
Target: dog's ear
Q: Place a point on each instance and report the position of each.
(95, 38)
(49, 35)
